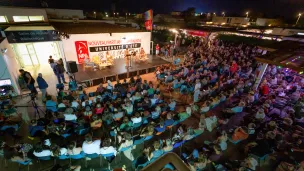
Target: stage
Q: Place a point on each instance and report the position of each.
(93, 77)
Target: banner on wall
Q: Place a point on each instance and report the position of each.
(97, 49)
(31, 36)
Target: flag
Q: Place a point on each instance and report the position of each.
(148, 25)
(149, 15)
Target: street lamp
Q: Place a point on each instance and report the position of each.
(299, 16)
(247, 13)
(223, 13)
(214, 13)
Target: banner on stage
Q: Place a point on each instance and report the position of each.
(98, 49)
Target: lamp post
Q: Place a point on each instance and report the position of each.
(223, 13)
(247, 13)
(299, 16)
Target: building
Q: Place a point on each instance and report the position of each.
(230, 20)
(22, 15)
(64, 13)
(167, 18)
(176, 13)
(29, 37)
(287, 31)
(268, 22)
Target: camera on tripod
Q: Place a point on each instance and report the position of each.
(33, 96)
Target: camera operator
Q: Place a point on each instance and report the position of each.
(29, 81)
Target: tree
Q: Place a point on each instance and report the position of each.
(190, 18)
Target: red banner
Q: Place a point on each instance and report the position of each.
(148, 25)
(197, 33)
(82, 51)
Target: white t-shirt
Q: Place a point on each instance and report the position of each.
(136, 120)
(75, 104)
(91, 148)
(108, 150)
(43, 153)
(83, 103)
(61, 105)
(197, 87)
(63, 151)
(70, 117)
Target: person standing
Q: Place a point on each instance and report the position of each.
(42, 84)
(29, 80)
(51, 62)
(59, 71)
(157, 50)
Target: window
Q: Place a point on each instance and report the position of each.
(36, 18)
(21, 18)
(3, 19)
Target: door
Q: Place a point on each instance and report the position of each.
(32, 54)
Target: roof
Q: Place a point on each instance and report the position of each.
(289, 54)
(29, 28)
(87, 28)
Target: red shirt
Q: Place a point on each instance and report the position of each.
(265, 89)
(233, 67)
(157, 47)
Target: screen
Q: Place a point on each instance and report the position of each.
(5, 82)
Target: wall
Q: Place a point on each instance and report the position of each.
(268, 21)
(9, 12)
(64, 13)
(104, 40)
(9, 65)
(231, 20)
(286, 32)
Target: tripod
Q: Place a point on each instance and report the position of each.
(36, 108)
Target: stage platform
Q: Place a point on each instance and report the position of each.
(93, 77)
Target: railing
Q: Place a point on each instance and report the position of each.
(172, 158)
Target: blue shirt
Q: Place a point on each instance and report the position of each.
(51, 105)
(237, 109)
(42, 83)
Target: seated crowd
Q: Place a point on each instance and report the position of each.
(116, 118)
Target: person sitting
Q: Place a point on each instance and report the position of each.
(107, 148)
(222, 141)
(73, 150)
(158, 151)
(126, 124)
(88, 112)
(205, 107)
(89, 146)
(57, 151)
(240, 133)
(41, 151)
(217, 154)
(69, 116)
(260, 115)
(50, 104)
(147, 131)
(126, 143)
(99, 109)
(97, 122)
(172, 105)
(168, 146)
(137, 118)
(128, 107)
(189, 135)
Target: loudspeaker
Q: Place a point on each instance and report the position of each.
(72, 66)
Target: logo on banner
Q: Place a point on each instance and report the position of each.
(148, 25)
(82, 50)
